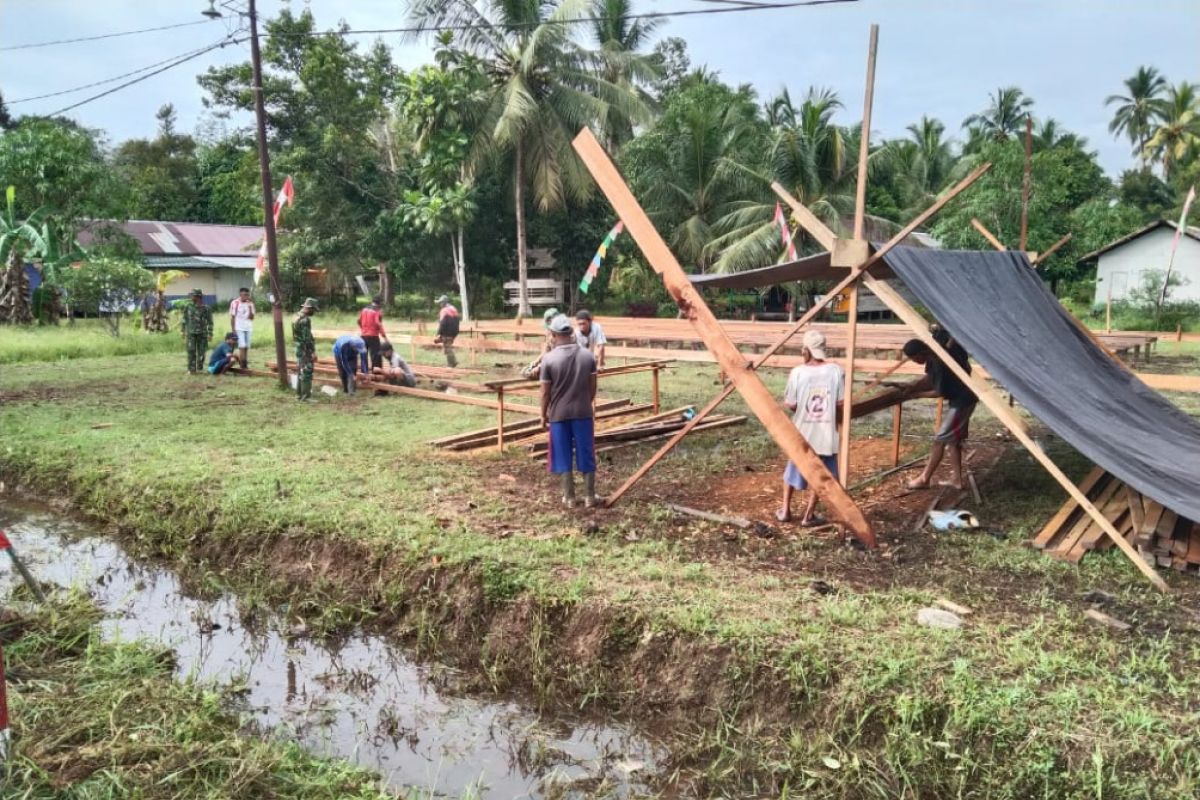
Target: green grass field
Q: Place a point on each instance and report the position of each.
(791, 666)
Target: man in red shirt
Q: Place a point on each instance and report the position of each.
(447, 330)
(370, 327)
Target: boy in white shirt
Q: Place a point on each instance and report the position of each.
(813, 391)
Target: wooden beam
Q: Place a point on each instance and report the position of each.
(1051, 250)
(848, 391)
(985, 233)
(1026, 183)
(997, 406)
(732, 361)
(917, 222)
(807, 220)
(864, 145)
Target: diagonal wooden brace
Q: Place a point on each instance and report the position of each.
(732, 361)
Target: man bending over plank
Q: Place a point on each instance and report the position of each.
(940, 381)
(813, 391)
(350, 353)
(568, 378)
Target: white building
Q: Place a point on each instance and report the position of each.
(1121, 266)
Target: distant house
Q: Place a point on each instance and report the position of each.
(219, 259)
(544, 287)
(1121, 266)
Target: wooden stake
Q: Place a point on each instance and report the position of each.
(692, 304)
(500, 418)
(997, 406)
(654, 388)
(897, 421)
(1026, 183)
(1051, 250)
(1108, 312)
(860, 195)
(985, 233)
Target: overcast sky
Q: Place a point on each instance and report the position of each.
(936, 57)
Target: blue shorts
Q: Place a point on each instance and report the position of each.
(219, 367)
(572, 434)
(243, 338)
(793, 478)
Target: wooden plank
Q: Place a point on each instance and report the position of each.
(848, 378)
(1084, 523)
(864, 147)
(1061, 516)
(691, 303)
(1010, 420)
(986, 234)
(1193, 551)
(807, 220)
(1145, 536)
(1137, 512)
(1051, 250)
(1165, 530)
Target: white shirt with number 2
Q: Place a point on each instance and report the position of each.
(816, 390)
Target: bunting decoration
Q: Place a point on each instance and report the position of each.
(784, 233)
(286, 194)
(594, 268)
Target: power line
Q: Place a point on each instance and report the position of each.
(114, 78)
(98, 37)
(171, 65)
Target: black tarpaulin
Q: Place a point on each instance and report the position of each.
(995, 304)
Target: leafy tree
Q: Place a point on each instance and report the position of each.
(690, 168)
(58, 165)
(620, 39)
(672, 63)
(162, 173)
(1005, 114)
(6, 119)
(106, 287)
(544, 87)
(1178, 130)
(1137, 108)
(1145, 191)
(1064, 178)
(228, 189)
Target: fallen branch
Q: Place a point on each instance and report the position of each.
(738, 522)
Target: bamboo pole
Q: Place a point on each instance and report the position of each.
(897, 414)
(985, 233)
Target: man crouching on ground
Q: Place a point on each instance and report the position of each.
(813, 391)
(568, 378)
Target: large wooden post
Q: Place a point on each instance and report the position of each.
(860, 216)
(732, 360)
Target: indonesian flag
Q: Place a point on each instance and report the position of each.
(286, 195)
(784, 234)
(1187, 204)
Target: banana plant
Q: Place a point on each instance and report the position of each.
(156, 318)
(19, 240)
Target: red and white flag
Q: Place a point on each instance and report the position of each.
(784, 234)
(286, 195)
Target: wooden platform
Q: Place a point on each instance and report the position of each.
(1160, 535)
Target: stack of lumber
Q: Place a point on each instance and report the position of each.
(1160, 535)
(606, 411)
(657, 426)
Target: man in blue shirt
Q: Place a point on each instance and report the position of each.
(347, 350)
(223, 356)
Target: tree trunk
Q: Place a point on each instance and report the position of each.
(522, 267)
(460, 273)
(158, 321)
(385, 285)
(14, 292)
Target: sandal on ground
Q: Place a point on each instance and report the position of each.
(812, 522)
(783, 516)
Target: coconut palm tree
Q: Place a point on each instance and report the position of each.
(1138, 108)
(1004, 116)
(543, 88)
(19, 240)
(1179, 128)
(620, 40)
(923, 163)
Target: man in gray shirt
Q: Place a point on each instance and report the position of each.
(568, 378)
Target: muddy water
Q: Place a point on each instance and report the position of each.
(365, 701)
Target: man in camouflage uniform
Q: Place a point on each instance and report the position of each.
(306, 348)
(197, 327)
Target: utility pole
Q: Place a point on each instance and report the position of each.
(264, 167)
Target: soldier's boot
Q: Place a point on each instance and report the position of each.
(307, 384)
(299, 386)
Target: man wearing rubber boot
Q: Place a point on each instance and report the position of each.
(196, 323)
(306, 348)
(568, 378)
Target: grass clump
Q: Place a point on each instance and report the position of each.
(95, 719)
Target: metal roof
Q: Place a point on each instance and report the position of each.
(196, 262)
(189, 238)
(1189, 231)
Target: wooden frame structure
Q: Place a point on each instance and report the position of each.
(853, 254)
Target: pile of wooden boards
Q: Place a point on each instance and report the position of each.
(612, 429)
(1160, 535)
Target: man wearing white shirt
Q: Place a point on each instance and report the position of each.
(813, 391)
(590, 336)
(241, 322)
